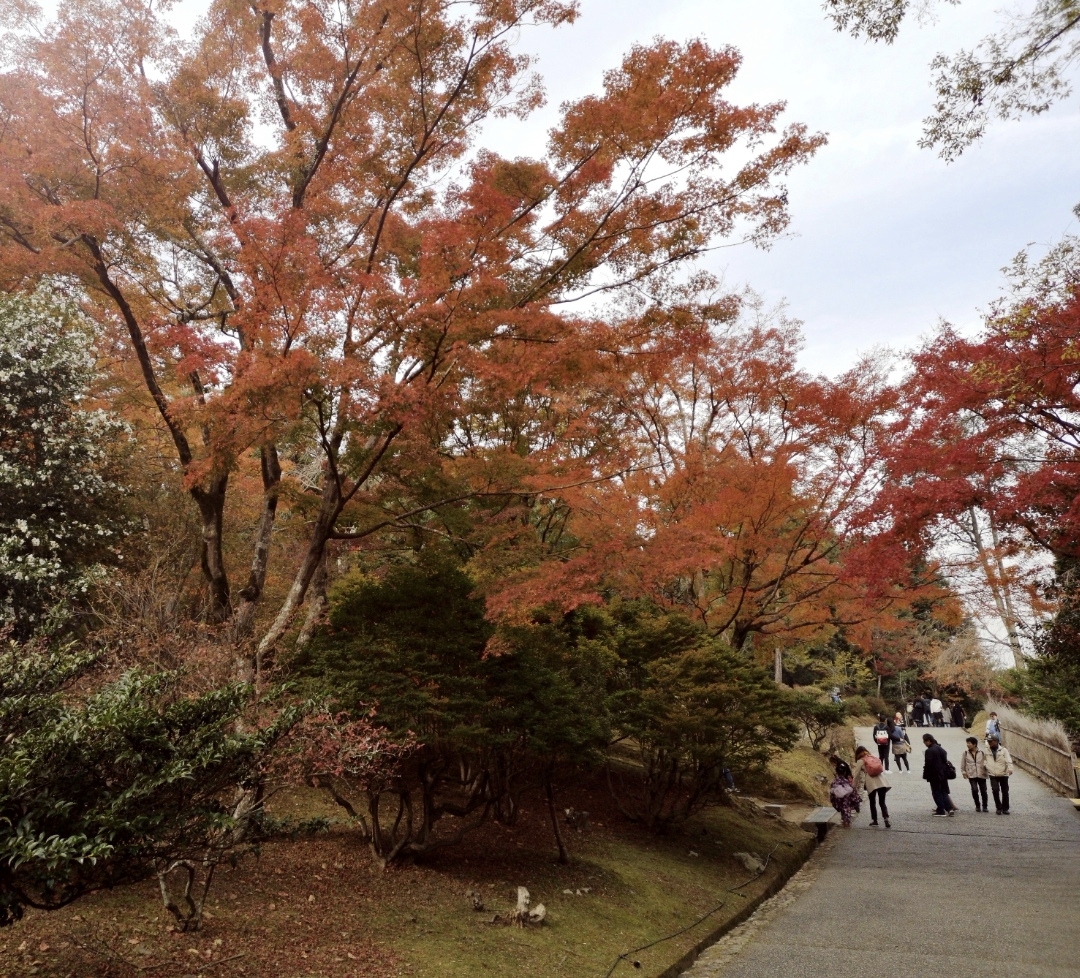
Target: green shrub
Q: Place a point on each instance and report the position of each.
(816, 713)
(118, 785)
(857, 706)
(61, 516)
(878, 707)
(485, 727)
(690, 706)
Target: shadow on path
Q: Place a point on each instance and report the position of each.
(976, 895)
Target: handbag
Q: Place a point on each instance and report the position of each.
(901, 747)
(841, 789)
(950, 771)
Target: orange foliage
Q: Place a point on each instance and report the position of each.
(751, 487)
(284, 220)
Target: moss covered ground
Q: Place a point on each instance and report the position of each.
(317, 906)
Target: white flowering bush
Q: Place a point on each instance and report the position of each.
(60, 513)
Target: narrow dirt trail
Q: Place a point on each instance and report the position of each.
(978, 895)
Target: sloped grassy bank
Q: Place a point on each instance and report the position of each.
(317, 907)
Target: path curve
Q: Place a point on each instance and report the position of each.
(982, 896)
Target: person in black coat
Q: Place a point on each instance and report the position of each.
(936, 771)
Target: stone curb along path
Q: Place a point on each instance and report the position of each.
(976, 895)
(776, 885)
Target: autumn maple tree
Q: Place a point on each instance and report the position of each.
(285, 218)
(753, 488)
(983, 459)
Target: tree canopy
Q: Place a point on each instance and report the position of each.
(1020, 69)
(286, 223)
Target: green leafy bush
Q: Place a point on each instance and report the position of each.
(816, 714)
(688, 706)
(129, 781)
(857, 706)
(485, 725)
(879, 707)
(60, 517)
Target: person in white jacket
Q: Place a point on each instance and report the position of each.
(999, 768)
(973, 768)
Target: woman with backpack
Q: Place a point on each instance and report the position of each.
(901, 747)
(842, 794)
(870, 776)
(881, 736)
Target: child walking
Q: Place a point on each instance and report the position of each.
(842, 793)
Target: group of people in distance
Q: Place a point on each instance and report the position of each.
(978, 765)
(929, 711)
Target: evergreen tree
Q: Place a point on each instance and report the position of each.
(60, 516)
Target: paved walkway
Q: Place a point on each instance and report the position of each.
(976, 896)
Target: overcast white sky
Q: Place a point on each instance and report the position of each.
(887, 238)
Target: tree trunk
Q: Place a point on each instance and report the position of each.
(998, 584)
(211, 503)
(316, 604)
(329, 509)
(564, 858)
(1019, 655)
(260, 558)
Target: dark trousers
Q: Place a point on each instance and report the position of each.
(1000, 787)
(877, 796)
(978, 791)
(883, 752)
(901, 762)
(940, 791)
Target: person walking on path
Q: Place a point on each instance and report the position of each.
(936, 711)
(842, 793)
(883, 739)
(993, 728)
(959, 718)
(973, 768)
(870, 776)
(901, 747)
(936, 768)
(917, 712)
(999, 768)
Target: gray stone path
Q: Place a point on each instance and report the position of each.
(975, 896)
